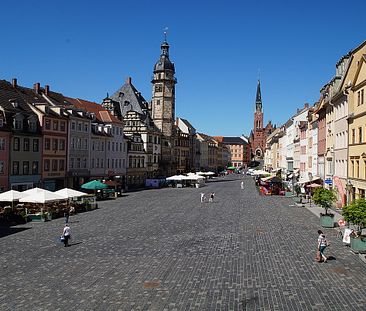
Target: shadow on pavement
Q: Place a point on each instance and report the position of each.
(4, 231)
(72, 244)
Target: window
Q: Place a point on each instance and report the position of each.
(54, 165)
(47, 144)
(353, 136)
(86, 127)
(71, 162)
(18, 124)
(158, 102)
(62, 144)
(73, 125)
(1, 167)
(16, 144)
(26, 168)
(360, 134)
(78, 163)
(54, 144)
(361, 97)
(62, 126)
(352, 172)
(2, 143)
(46, 166)
(15, 168)
(26, 144)
(47, 124)
(357, 173)
(61, 165)
(358, 98)
(35, 167)
(84, 163)
(32, 126)
(35, 145)
(80, 126)
(55, 125)
(85, 146)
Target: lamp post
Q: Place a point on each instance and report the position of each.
(349, 187)
(309, 192)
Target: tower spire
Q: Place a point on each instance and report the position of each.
(258, 98)
(165, 33)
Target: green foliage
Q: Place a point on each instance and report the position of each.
(324, 198)
(355, 213)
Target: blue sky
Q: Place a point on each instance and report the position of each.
(87, 48)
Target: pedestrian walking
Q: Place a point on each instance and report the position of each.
(212, 196)
(66, 235)
(66, 215)
(202, 197)
(322, 245)
(242, 185)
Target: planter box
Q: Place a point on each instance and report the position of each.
(358, 245)
(35, 217)
(327, 221)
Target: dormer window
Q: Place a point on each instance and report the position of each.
(32, 125)
(126, 103)
(18, 124)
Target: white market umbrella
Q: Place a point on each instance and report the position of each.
(68, 193)
(11, 196)
(260, 172)
(177, 177)
(210, 173)
(42, 197)
(33, 191)
(194, 177)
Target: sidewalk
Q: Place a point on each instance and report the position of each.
(316, 210)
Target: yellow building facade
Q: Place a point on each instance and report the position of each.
(357, 127)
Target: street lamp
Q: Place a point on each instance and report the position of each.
(349, 188)
(309, 192)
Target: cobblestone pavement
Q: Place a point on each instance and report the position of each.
(164, 250)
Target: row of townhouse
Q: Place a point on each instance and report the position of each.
(327, 141)
(52, 141)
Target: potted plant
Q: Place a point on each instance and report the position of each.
(325, 198)
(355, 213)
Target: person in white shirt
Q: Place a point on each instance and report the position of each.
(202, 197)
(322, 245)
(66, 233)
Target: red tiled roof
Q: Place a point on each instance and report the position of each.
(100, 113)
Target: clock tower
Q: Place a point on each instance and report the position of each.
(163, 108)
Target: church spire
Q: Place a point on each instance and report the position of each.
(258, 98)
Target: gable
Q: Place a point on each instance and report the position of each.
(360, 73)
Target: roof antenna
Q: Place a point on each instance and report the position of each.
(165, 33)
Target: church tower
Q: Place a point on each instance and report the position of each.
(259, 133)
(258, 114)
(163, 92)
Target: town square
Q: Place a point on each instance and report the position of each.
(190, 155)
(164, 250)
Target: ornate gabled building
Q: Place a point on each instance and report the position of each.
(129, 105)
(259, 134)
(155, 122)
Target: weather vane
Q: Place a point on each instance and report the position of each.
(165, 33)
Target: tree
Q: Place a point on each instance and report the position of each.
(324, 198)
(355, 213)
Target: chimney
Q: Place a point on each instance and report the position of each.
(36, 87)
(128, 80)
(14, 82)
(46, 89)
